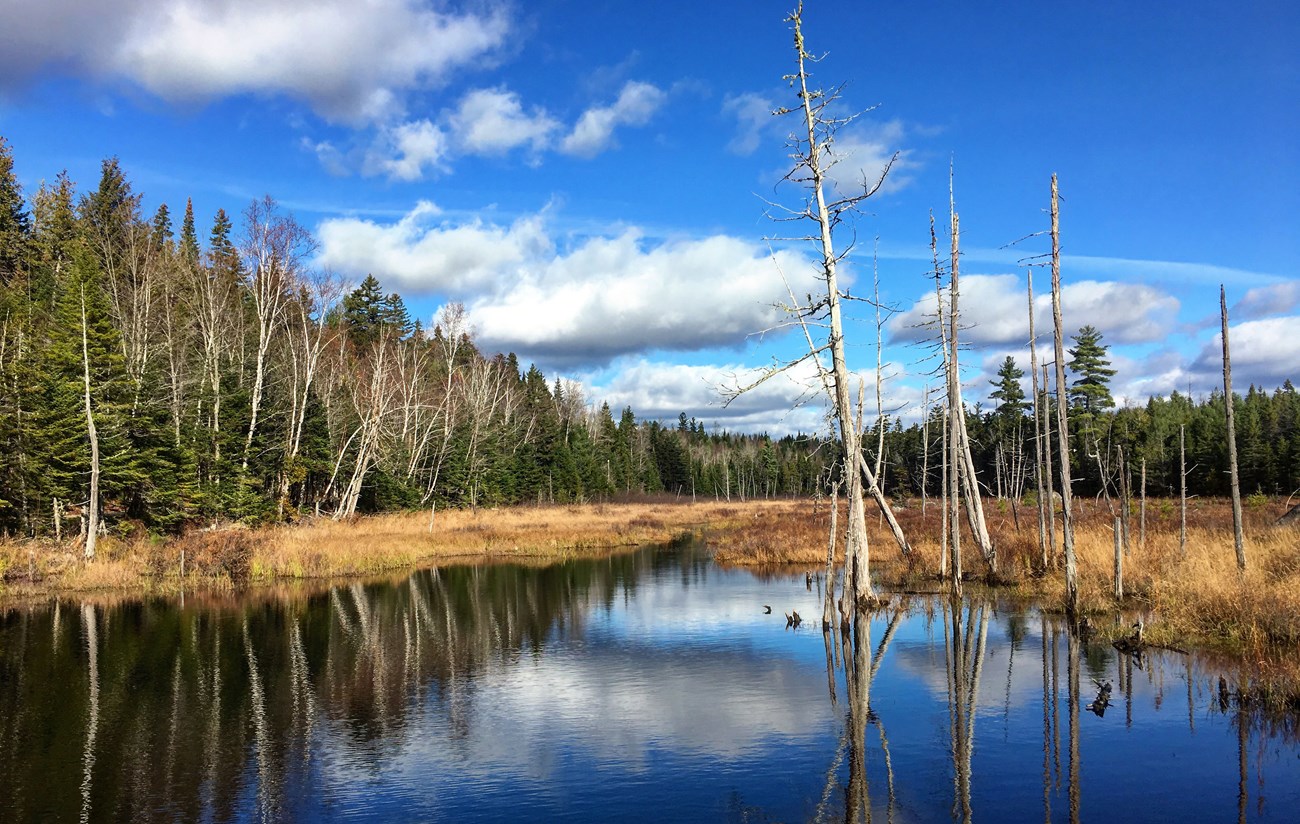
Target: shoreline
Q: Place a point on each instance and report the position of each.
(1193, 599)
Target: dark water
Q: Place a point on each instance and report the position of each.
(648, 686)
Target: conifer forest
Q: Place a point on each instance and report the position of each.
(221, 376)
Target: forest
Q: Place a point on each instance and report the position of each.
(181, 382)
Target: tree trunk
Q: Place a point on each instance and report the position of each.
(964, 464)
(1182, 490)
(1238, 538)
(92, 505)
(1062, 416)
(856, 548)
(1043, 504)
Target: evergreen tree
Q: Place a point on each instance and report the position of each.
(368, 311)
(1007, 391)
(189, 240)
(1090, 392)
(161, 226)
(15, 225)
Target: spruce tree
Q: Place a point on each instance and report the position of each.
(1090, 391)
(189, 240)
(1007, 391)
(15, 224)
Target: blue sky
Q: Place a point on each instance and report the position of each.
(588, 178)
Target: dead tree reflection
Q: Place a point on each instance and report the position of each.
(965, 644)
(860, 668)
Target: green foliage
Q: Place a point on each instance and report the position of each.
(1090, 391)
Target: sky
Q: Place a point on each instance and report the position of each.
(595, 180)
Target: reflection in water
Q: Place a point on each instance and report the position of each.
(648, 685)
(964, 649)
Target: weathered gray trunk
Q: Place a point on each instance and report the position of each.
(1062, 416)
(1238, 538)
(92, 504)
(1043, 504)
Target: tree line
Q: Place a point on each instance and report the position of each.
(1163, 438)
(186, 382)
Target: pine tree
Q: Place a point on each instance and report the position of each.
(1090, 392)
(15, 224)
(1007, 391)
(189, 240)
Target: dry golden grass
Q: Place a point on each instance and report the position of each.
(1194, 598)
(322, 548)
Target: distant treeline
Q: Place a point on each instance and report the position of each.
(1106, 444)
(231, 379)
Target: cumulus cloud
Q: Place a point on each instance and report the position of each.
(1264, 352)
(350, 60)
(1265, 301)
(660, 390)
(599, 298)
(489, 122)
(994, 312)
(493, 121)
(421, 253)
(594, 131)
(405, 151)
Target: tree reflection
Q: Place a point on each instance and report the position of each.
(860, 667)
(209, 712)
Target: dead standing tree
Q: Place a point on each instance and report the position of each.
(1239, 540)
(811, 149)
(1062, 419)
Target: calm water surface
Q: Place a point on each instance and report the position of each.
(649, 686)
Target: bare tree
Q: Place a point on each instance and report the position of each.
(812, 150)
(1043, 504)
(274, 249)
(1239, 540)
(1062, 416)
(964, 463)
(310, 334)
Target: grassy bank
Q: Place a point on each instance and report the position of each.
(1192, 598)
(322, 548)
(1196, 597)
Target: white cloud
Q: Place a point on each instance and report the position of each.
(861, 152)
(658, 390)
(404, 152)
(1264, 352)
(418, 254)
(994, 312)
(594, 131)
(753, 115)
(493, 121)
(1265, 301)
(602, 297)
(350, 60)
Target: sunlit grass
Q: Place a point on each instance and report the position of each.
(323, 548)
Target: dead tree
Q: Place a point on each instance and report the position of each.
(964, 463)
(1239, 540)
(1043, 503)
(811, 146)
(1062, 416)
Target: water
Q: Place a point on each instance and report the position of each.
(649, 686)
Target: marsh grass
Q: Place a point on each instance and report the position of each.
(231, 556)
(1193, 598)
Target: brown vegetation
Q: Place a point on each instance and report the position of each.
(1199, 599)
(323, 548)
